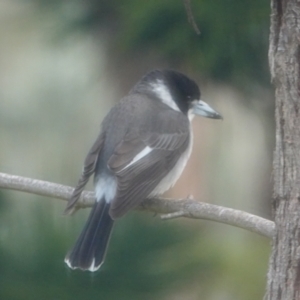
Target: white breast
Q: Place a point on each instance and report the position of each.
(169, 181)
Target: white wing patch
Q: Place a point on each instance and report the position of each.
(163, 93)
(139, 156)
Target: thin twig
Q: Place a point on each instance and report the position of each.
(191, 19)
(174, 207)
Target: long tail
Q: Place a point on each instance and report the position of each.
(89, 250)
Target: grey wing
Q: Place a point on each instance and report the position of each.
(88, 170)
(140, 163)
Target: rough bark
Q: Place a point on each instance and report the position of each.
(284, 59)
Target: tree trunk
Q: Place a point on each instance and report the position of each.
(284, 59)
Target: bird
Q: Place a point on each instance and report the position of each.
(143, 146)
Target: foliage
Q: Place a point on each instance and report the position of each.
(147, 259)
(232, 45)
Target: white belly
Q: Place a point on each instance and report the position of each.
(169, 181)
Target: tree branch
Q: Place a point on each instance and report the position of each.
(171, 208)
(191, 19)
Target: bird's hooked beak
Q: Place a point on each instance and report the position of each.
(201, 108)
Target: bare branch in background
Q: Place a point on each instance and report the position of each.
(191, 19)
(170, 208)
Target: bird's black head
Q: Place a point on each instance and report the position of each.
(183, 89)
(175, 90)
(171, 87)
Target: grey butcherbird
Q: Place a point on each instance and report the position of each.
(144, 144)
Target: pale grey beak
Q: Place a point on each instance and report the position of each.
(201, 108)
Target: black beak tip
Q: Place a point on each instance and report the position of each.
(216, 116)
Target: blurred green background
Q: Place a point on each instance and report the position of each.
(63, 64)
